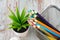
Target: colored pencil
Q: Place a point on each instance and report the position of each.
(42, 19)
(41, 29)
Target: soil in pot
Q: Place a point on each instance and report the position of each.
(21, 31)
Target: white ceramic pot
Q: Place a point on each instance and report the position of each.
(24, 34)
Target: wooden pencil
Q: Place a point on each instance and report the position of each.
(46, 26)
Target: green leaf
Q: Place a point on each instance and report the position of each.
(24, 26)
(13, 18)
(12, 13)
(19, 28)
(27, 15)
(13, 27)
(24, 20)
(23, 13)
(16, 24)
(18, 14)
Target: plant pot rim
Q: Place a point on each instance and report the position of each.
(24, 34)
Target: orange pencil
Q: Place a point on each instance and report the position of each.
(46, 26)
(32, 23)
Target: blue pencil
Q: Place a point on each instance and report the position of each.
(48, 30)
(42, 19)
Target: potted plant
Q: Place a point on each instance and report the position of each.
(19, 22)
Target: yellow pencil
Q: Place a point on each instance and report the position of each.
(31, 22)
(46, 26)
(51, 38)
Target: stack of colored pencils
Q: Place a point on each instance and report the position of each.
(39, 22)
